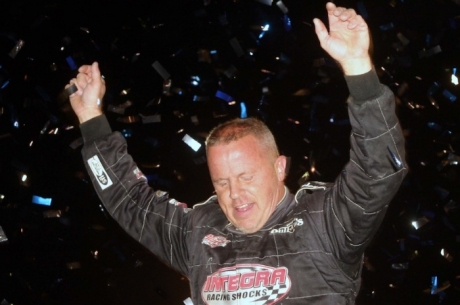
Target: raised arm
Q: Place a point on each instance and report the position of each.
(357, 202)
(149, 216)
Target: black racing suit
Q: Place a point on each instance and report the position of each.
(310, 250)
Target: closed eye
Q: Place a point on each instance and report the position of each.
(246, 178)
(221, 183)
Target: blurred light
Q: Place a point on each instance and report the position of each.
(161, 70)
(287, 23)
(31, 143)
(446, 255)
(5, 84)
(41, 200)
(62, 48)
(167, 86)
(16, 48)
(449, 95)
(180, 131)
(243, 111)
(224, 96)
(71, 63)
(282, 7)
(454, 79)
(56, 130)
(69, 127)
(16, 124)
(3, 237)
(420, 222)
(195, 145)
(194, 120)
(127, 133)
(24, 178)
(434, 284)
(266, 27)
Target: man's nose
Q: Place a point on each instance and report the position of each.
(235, 190)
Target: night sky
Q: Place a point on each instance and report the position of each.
(180, 67)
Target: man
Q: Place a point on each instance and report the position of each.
(255, 242)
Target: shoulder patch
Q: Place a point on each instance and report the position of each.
(99, 172)
(159, 193)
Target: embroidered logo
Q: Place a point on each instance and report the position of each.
(137, 172)
(246, 284)
(178, 204)
(99, 172)
(159, 193)
(215, 241)
(290, 227)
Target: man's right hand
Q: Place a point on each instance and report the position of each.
(348, 39)
(87, 100)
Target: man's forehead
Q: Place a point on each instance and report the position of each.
(245, 146)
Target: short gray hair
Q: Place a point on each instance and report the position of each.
(236, 129)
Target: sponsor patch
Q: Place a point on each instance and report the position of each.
(289, 228)
(138, 173)
(159, 193)
(215, 241)
(99, 172)
(246, 284)
(178, 204)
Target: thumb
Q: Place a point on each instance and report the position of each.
(320, 30)
(95, 72)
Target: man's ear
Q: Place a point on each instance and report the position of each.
(280, 167)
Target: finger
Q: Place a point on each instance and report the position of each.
(338, 11)
(85, 69)
(96, 73)
(346, 14)
(357, 22)
(320, 30)
(330, 7)
(82, 81)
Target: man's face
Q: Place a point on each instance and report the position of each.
(249, 184)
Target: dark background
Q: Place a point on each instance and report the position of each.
(73, 253)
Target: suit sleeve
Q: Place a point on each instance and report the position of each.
(356, 204)
(156, 221)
